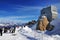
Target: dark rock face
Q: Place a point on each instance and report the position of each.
(31, 23)
(49, 27)
(56, 28)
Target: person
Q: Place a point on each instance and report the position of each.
(5, 29)
(1, 31)
(13, 30)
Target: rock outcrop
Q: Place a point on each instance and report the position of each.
(47, 15)
(42, 23)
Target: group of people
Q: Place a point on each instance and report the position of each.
(7, 29)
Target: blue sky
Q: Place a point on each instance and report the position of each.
(24, 10)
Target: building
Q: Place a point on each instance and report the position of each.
(50, 12)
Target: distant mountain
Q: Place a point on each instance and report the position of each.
(31, 23)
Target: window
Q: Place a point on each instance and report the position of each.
(54, 10)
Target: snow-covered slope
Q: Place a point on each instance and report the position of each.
(37, 35)
(26, 33)
(56, 30)
(34, 26)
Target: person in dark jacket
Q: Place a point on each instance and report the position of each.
(5, 29)
(1, 31)
(13, 31)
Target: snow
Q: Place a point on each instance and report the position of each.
(56, 30)
(26, 33)
(43, 16)
(34, 26)
(38, 35)
(26, 28)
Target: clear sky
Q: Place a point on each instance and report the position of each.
(24, 10)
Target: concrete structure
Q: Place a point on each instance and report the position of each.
(50, 12)
(47, 14)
